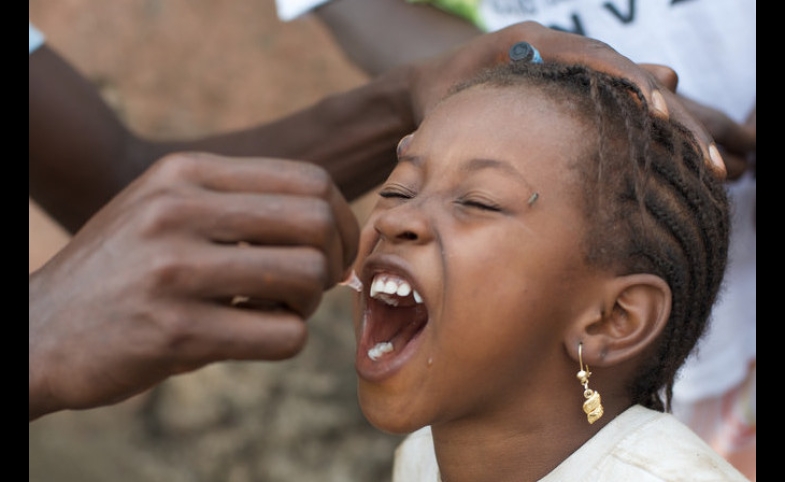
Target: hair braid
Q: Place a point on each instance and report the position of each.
(651, 203)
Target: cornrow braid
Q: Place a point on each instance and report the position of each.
(651, 202)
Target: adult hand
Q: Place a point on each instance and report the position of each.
(203, 258)
(433, 78)
(736, 141)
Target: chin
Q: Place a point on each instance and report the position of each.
(388, 417)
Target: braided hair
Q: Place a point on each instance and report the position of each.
(651, 202)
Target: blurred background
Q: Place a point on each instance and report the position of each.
(180, 68)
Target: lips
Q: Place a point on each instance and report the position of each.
(394, 317)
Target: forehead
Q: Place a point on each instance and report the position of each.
(518, 110)
(517, 124)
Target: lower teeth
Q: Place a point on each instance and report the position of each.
(380, 349)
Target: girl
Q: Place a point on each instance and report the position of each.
(539, 264)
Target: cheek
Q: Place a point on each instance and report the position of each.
(356, 315)
(368, 239)
(483, 320)
(485, 289)
(503, 299)
(496, 343)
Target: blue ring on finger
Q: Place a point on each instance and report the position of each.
(525, 52)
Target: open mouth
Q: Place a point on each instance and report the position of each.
(395, 315)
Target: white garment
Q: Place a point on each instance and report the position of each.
(291, 9)
(695, 37)
(36, 38)
(640, 445)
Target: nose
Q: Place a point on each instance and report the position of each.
(404, 223)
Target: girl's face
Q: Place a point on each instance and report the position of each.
(471, 263)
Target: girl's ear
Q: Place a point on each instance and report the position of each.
(630, 316)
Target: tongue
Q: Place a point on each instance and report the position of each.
(393, 328)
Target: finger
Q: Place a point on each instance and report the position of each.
(295, 178)
(210, 332)
(566, 47)
(711, 153)
(292, 278)
(264, 220)
(561, 46)
(733, 138)
(268, 176)
(664, 75)
(735, 165)
(244, 174)
(348, 227)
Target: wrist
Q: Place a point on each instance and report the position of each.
(365, 127)
(401, 84)
(40, 400)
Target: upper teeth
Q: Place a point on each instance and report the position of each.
(392, 285)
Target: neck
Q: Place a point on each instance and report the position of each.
(513, 448)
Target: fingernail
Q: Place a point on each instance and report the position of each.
(716, 158)
(403, 144)
(658, 103)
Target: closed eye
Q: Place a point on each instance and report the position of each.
(394, 195)
(480, 204)
(396, 191)
(399, 192)
(391, 194)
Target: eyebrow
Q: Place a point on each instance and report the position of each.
(479, 164)
(476, 164)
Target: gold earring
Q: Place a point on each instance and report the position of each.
(593, 404)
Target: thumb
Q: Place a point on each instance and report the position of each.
(664, 75)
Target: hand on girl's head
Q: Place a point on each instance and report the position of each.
(657, 83)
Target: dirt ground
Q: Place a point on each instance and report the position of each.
(185, 68)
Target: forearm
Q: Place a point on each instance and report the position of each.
(351, 134)
(79, 152)
(381, 34)
(39, 399)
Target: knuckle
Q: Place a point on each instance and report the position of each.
(294, 341)
(318, 180)
(321, 269)
(311, 281)
(322, 222)
(593, 44)
(169, 270)
(175, 330)
(315, 267)
(177, 165)
(169, 206)
(162, 209)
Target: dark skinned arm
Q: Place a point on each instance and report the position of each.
(81, 154)
(381, 34)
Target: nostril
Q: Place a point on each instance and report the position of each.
(401, 225)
